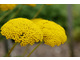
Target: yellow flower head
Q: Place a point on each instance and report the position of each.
(22, 31)
(33, 5)
(53, 34)
(5, 7)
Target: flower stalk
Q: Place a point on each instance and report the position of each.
(38, 11)
(25, 52)
(16, 12)
(11, 50)
(34, 49)
(5, 15)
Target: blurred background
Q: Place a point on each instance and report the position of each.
(68, 16)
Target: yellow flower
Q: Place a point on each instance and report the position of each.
(22, 31)
(53, 34)
(33, 5)
(5, 7)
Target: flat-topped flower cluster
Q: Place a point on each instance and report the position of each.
(25, 31)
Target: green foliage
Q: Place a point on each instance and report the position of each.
(76, 34)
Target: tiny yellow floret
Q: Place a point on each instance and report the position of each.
(22, 30)
(5, 7)
(53, 34)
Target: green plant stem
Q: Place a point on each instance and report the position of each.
(34, 49)
(11, 50)
(5, 15)
(25, 52)
(9, 13)
(38, 11)
(16, 13)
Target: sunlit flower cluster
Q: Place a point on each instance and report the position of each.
(5, 7)
(22, 31)
(25, 32)
(53, 34)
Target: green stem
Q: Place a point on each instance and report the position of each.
(34, 49)
(25, 52)
(11, 50)
(9, 13)
(16, 12)
(5, 15)
(38, 11)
